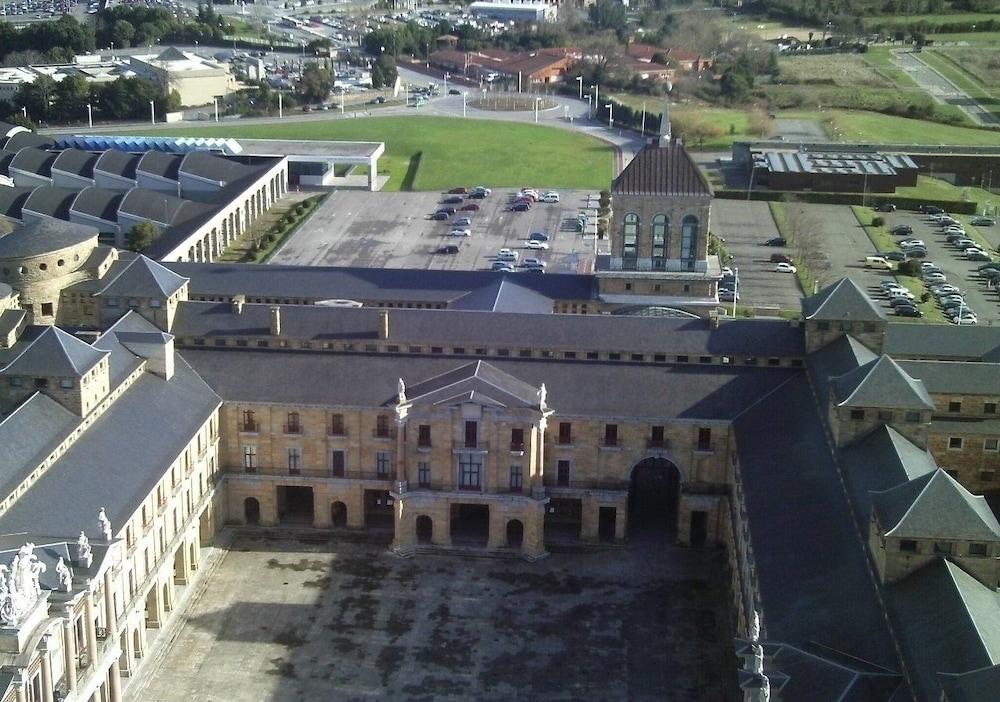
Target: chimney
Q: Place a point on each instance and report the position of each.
(713, 319)
(383, 325)
(238, 302)
(157, 348)
(275, 320)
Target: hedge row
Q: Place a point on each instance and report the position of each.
(906, 203)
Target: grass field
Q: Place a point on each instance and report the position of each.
(928, 188)
(931, 20)
(881, 60)
(733, 123)
(438, 153)
(875, 128)
(954, 69)
(975, 38)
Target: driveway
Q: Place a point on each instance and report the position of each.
(942, 89)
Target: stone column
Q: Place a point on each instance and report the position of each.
(19, 693)
(372, 175)
(621, 520)
(589, 519)
(533, 545)
(115, 682)
(498, 529)
(88, 609)
(355, 507)
(110, 615)
(69, 652)
(321, 508)
(46, 673)
(538, 475)
(400, 450)
(441, 526)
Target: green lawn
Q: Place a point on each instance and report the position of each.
(733, 123)
(931, 20)
(928, 188)
(881, 60)
(980, 38)
(953, 72)
(876, 128)
(438, 153)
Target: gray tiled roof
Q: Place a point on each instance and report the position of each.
(37, 161)
(55, 353)
(5, 158)
(475, 378)
(10, 319)
(160, 164)
(151, 205)
(24, 140)
(77, 162)
(935, 505)
(29, 434)
(975, 686)
(580, 333)
(943, 341)
(119, 459)
(203, 164)
(123, 361)
(955, 377)
(143, 278)
(12, 200)
(948, 622)
(43, 236)
(693, 392)
(118, 163)
(99, 202)
(881, 384)
(52, 201)
(842, 300)
(504, 295)
(662, 170)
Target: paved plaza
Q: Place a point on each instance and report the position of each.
(318, 618)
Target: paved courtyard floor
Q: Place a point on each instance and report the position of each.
(285, 618)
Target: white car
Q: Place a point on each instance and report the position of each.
(910, 243)
(968, 319)
(549, 197)
(953, 229)
(784, 268)
(896, 292)
(537, 245)
(533, 263)
(458, 231)
(934, 278)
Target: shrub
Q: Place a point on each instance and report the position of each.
(910, 267)
(878, 222)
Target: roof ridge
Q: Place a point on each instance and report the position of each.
(965, 605)
(122, 271)
(916, 499)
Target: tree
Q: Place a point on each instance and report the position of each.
(608, 14)
(70, 98)
(37, 97)
(760, 125)
(314, 85)
(735, 85)
(142, 236)
(384, 72)
(123, 32)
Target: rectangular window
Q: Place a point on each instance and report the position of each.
(111, 302)
(517, 439)
(515, 479)
(857, 414)
(382, 426)
(908, 545)
(472, 434)
(987, 476)
(682, 359)
(955, 406)
(338, 463)
(704, 439)
(942, 548)
(562, 473)
(656, 437)
(822, 326)
(424, 436)
(249, 424)
(912, 417)
(565, 433)
(294, 461)
(337, 425)
(66, 383)
(955, 443)
(250, 458)
(470, 471)
(16, 382)
(292, 425)
(610, 434)
(382, 460)
(990, 445)
(424, 474)
(978, 549)
(885, 415)
(989, 408)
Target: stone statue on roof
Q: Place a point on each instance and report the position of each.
(19, 586)
(757, 662)
(104, 524)
(65, 576)
(401, 391)
(765, 689)
(542, 396)
(83, 554)
(754, 626)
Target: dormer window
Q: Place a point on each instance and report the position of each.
(41, 383)
(908, 545)
(155, 303)
(978, 549)
(66, 383)
(16, 382)
(111, 302)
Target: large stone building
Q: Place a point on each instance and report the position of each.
(838, 459)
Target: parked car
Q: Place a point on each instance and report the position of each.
(908, 311)
(502, 267)
(916, 252)
(440, 216)
(909, 243)
(477, 194)
(941, 289)
(893, 255)
(452, 201)
(461, 222)
(982, 222)
(729, 296)
(978, 255)
(934, 278)
(784, 268)
(776, 241)
(930, 209)
(902, 230)
(550, 196)
(898, 300)
(886, 207)
(507, 255)
(781, 258)
(449, 249)
(453, 91)
(538, 236)
(970, 319)
(458, 191)
(459, 231)
(520, 207)
(471, 207)
(537, 245)
(482, 189)
(533, 262)
(447, 210)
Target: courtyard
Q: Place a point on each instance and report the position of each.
(320, 617)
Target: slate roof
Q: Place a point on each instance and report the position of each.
(329, 283)
(77, 162)
(23, 140)
(43, 236)
(956, 378)
(363, 380)
(119, 163)
(476, 380)
(152, 205)
(975, 686)
(51, 201)
(35, 161)
(580, 333)
(843, 300)
(160, 164)
(662, 170)
(12, 200)
(143, 278)
(504, 295)
(10, 319)
(55, 353)
(935, 505)
(202, 164)
(29, 434)
(5, 158)
(948, 622)
(118, 460)
(881, 384)
(99, 202)
(943, 341)
(123, 360)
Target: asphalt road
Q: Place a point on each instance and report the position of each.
(392, 230)
(844, 242)
(941, 88)
(746, 226)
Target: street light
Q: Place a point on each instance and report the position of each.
(736, 288)
(152, 112)
(597, 96)
(611, 114)
(446, 77)
(464, 96)
(642, 129)
(579, 79)
(589, 98)
(90, 116)
(537, 100)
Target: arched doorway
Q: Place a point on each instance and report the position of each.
(653, 496)
(515, 533)
(338, 514)
(136, 644)
(251, 510)
(425, 529)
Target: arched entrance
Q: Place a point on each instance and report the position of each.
(251, 510)
(338, 514)
(136, 644)
(515, 533)
(653, 496)
(425, 529)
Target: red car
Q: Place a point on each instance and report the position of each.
(781, 258)
(458, 191)
(471, 207)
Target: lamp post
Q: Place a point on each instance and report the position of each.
(446, 77)
(280, 106)
(464, 97)
(343, 90)
(611, 114)
(736, 288)
(579, 79)
(589, 98)
(597, 96)
(642, 129)
(537, 100)
(90, 116)
(152, 112)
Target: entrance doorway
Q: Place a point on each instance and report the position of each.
(425, 529)
(295, 504)
(515, 533)
(338, 515)
(606, 524)
(653, 497)
(378, 509)
(563, 519)
(470, 525)
(699, 528)
(251, 511)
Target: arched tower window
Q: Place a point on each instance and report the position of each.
(689, 239)
(661, 234)
(630, 240)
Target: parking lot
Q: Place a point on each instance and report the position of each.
(746, 226)
(958, 270)
(394, 230)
